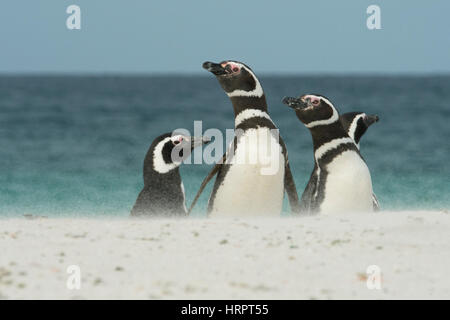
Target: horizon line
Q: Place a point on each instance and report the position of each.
(205, 74)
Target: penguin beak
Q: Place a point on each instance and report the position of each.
(371, 119)
(296, 103)
(198, 141)
(214, 68)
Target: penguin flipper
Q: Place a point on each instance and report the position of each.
(376, 205)
(291, 190)
(205, 182)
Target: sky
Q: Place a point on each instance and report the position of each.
(176, 36)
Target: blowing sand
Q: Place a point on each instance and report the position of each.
(321, 257)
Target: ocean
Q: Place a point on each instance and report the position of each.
(74, 145)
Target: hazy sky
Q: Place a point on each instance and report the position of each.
(271, 36)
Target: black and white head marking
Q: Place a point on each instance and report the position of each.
(237, 79)
(356, 124)
(313, 110)
(318, 111)
(163, 191)
(162, 154)
(171, 150)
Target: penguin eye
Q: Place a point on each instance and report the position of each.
(316, 102)
(232, 68)
(178, 141)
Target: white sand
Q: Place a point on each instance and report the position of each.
(323, 257)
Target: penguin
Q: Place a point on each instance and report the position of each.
(243, 187)
(356, 124)
(341, 180)
(163, 192)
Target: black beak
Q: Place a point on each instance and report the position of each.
(198, 141)
(214, 68)
(371, 119)
(295, 103)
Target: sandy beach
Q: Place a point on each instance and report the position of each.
(321, 257)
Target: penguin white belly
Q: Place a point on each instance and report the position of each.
(348, 186)
(254, 182)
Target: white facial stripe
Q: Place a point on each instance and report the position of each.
(352, 128)
(248, 114)
(334, 117)
(257, 92)
(326, 100)
(333, 144)
(158, 162)
(179, 138)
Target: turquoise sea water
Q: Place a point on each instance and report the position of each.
(72, 145)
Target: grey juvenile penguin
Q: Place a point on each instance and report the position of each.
(163, 191)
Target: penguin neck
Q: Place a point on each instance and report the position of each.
(153, 177)
(241, 103)
(326, 133)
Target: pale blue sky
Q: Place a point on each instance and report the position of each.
(149, 36)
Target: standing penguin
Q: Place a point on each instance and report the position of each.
(247, 184)
(340, 181)
(163, 192)
(243, 186)
(356, 124)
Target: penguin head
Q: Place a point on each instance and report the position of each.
(236, 78)
(313, 110)
(168, 151)
(356, 124)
